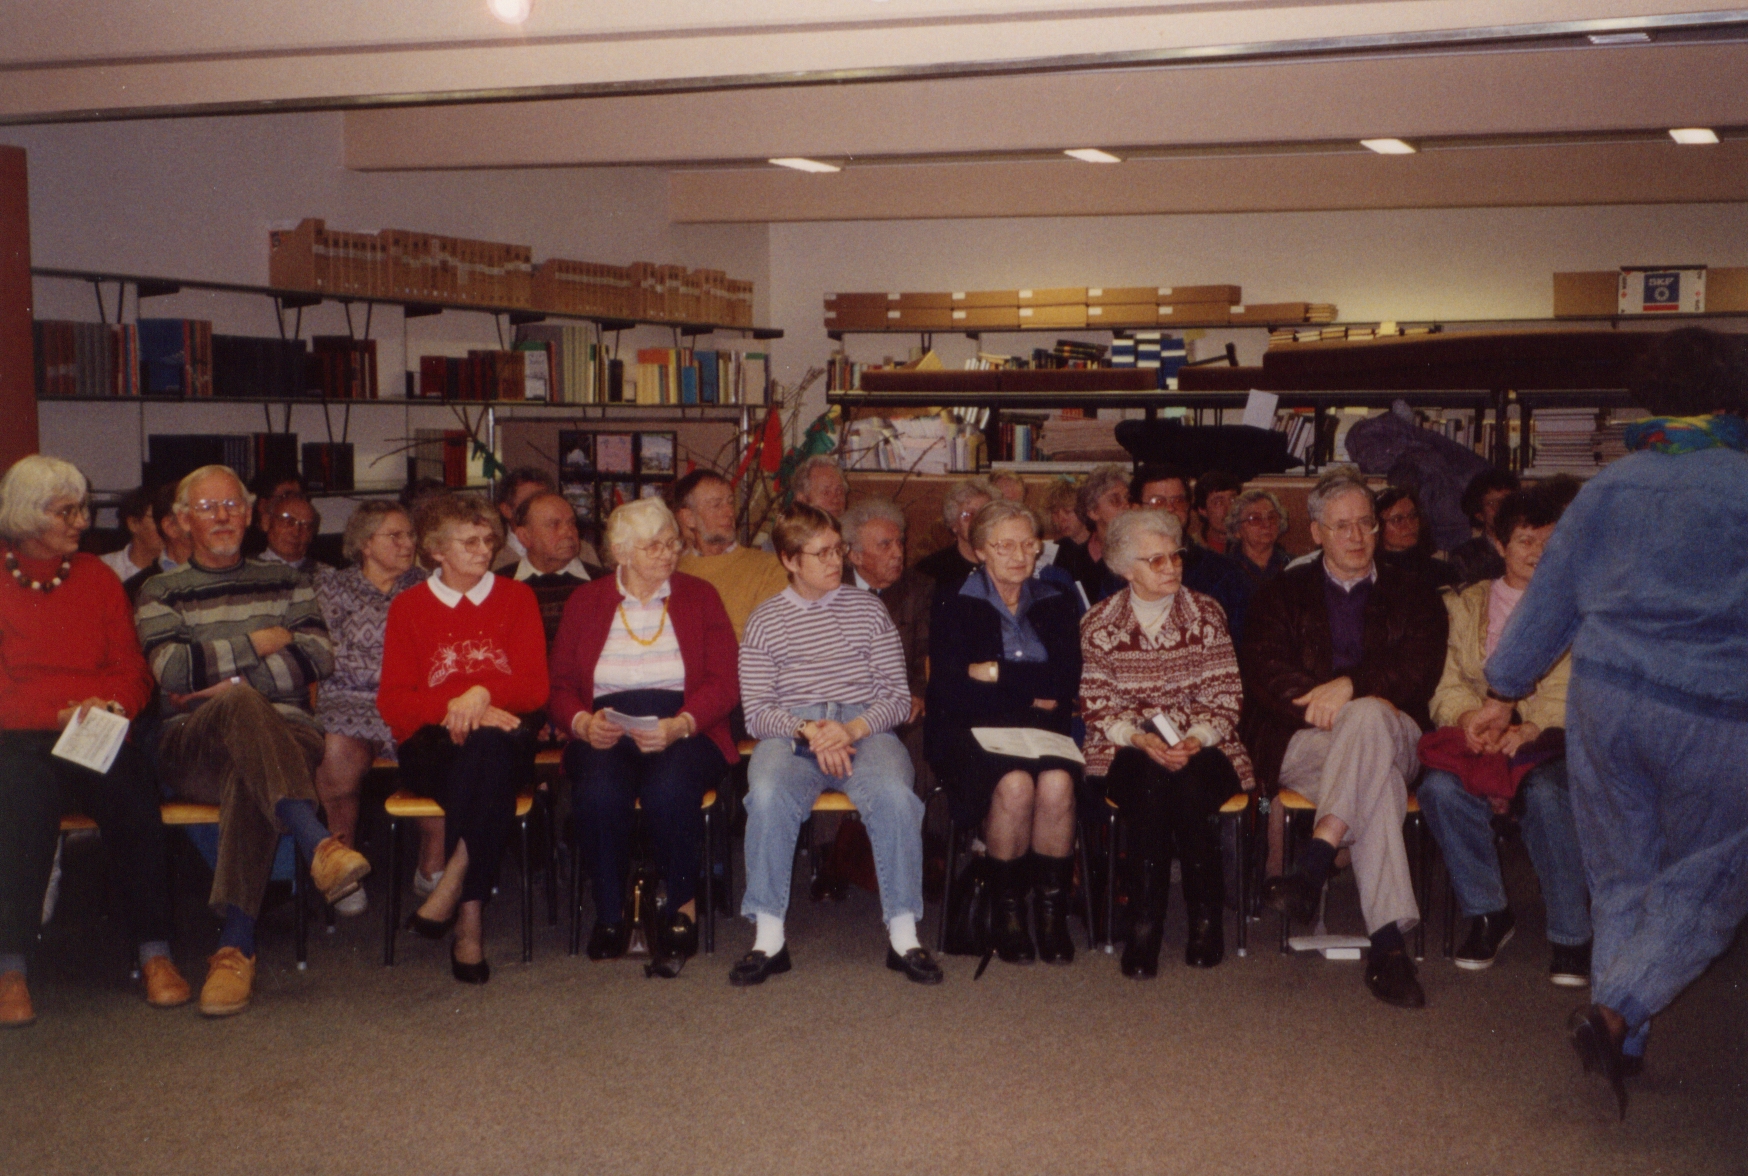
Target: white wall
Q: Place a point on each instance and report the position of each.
(1421, 264)
(194, 198)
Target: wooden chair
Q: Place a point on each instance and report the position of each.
(712, 806)
(1237, 809)
(1300, 808)
(180, 814)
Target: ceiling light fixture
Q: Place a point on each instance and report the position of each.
(1693, 136)
(806, 165)
(1092, 155)
(1389, 146)
(1619, 38)
(513, 12)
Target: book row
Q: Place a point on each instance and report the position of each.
(1063, 308)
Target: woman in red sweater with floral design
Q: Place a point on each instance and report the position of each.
(67, 646)
(463, 682)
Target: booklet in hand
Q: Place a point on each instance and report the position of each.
(632, 722)
(1026, 743)
(1167, 731)
(93, 741)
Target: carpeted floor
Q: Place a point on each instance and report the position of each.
(1265, 1064)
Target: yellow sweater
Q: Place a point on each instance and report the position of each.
(1463, 687)
(745, 578)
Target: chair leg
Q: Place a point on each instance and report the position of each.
(391, 917)
(547, 808)
(1111, 882)
(709, 916)
(1241, 846)
(1086, 895)
(1289, 855)
(527, 894)
(947, 883)
(576, 856)
(1450, 914)
(1422, 881)
(300, 888)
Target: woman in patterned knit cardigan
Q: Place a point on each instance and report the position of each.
(1158, 648)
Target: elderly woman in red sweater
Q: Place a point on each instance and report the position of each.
(463, 680)
(652, 643)
(67, 648)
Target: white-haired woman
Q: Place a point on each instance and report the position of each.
(1005, 652)
(1254, 526)
(67, 647)
(648, 642)
(462, 690)
(949, 566)
(1158, 648)
(378, 546)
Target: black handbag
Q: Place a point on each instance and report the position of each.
(968, 913)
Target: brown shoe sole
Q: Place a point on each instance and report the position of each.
(348, 882)
(227, 1010)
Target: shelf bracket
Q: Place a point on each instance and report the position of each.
(522, 318)
(413, 310)
(154, 287)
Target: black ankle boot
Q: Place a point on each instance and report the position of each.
(1052, 885)
(1207, 942)
(676, 941)
(1147, 898)
(1007, 914)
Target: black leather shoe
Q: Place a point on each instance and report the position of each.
(1390, 977)
(1008, 933)
(918, 966)
(1569, 967)
(1052, 884)
(755, 966)
(676, 942)
(1487, 934)
(1206, 946)
(1294, 895)
(1599, 1052)
(431, 928)
(608, 941)
(470, 973)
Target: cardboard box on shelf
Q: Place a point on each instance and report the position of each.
(987, 317)
(861, 302)
(1270, 312)
(920, 319)
(1121, 295)
(918, 301)
(1580, 295)
(1229, 295)
(1657, 290)
(1142, 314)
(1060, 296)
(855, 320)
(967, 298)
(1191, 314)
(1727, 289)
(1056, 317)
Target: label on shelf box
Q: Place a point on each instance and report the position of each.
(1664, 290)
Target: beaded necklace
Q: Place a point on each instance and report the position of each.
(632, 633)
(27, 583)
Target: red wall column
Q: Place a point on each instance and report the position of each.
(17, 375)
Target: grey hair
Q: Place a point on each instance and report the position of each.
(364, 524)
(1097, 483)
(999, 511)
(1333, 485)
(1006, 478)
(1128, 529)
(961, 494)
(29, 486)
(867, 511)
(1248, 499)
(638, 521)
(802, 479)
(186, 486)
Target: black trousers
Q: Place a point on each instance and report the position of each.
(36, 789)
(476, 783)
(1174, 813)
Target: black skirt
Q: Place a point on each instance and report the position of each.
(970, 774)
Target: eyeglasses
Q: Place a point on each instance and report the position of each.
(1401, 517)
(1170, 501)
(1354, 527)
(67, 514)
(657, 548)
(291, 520)
(1159, 563)
(832, 554)
(1252, 520)
(1009, 548)
(211, 508)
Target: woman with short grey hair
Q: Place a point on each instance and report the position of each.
(949, 566)
(1254, 527)
(1103, 497)
(31, 487)
(1123, 537)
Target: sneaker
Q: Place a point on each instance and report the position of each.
(424, 885)
(336, 869)
(353, 904)
(230, 978)
(1570, 966)
(1487, 934)
(15, 1008)
(165, 987)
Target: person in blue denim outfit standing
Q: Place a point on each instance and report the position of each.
(1646, 579)
(822, 680)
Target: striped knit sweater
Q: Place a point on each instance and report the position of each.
(841, 648)
(194, 625)
(1188, 671)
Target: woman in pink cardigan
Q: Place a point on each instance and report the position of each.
(649, 643)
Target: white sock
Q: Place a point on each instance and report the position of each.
(902, 931)
(769, 938)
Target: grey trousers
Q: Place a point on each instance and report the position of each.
(1358, 772)
(238, 752)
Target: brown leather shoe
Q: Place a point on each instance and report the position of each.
(230, 978)
(337, 869)
(165, 987)
(15, 1009)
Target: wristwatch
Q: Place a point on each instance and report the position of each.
(1498, 697)
(800, 731)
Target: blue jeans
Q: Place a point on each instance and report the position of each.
(1661, 799)
(1462, 824)
(782, 787)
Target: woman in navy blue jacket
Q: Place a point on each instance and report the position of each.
(1005, 652)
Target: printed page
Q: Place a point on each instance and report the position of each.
(92, 742)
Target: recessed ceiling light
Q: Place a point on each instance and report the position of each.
(1693, 135)
(1389, 146)
(510, 11)
(1619, 38)
(1092, 155)
(806, 165)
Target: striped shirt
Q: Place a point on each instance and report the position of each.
(194, 625)
(650, 660)
(840, 648)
